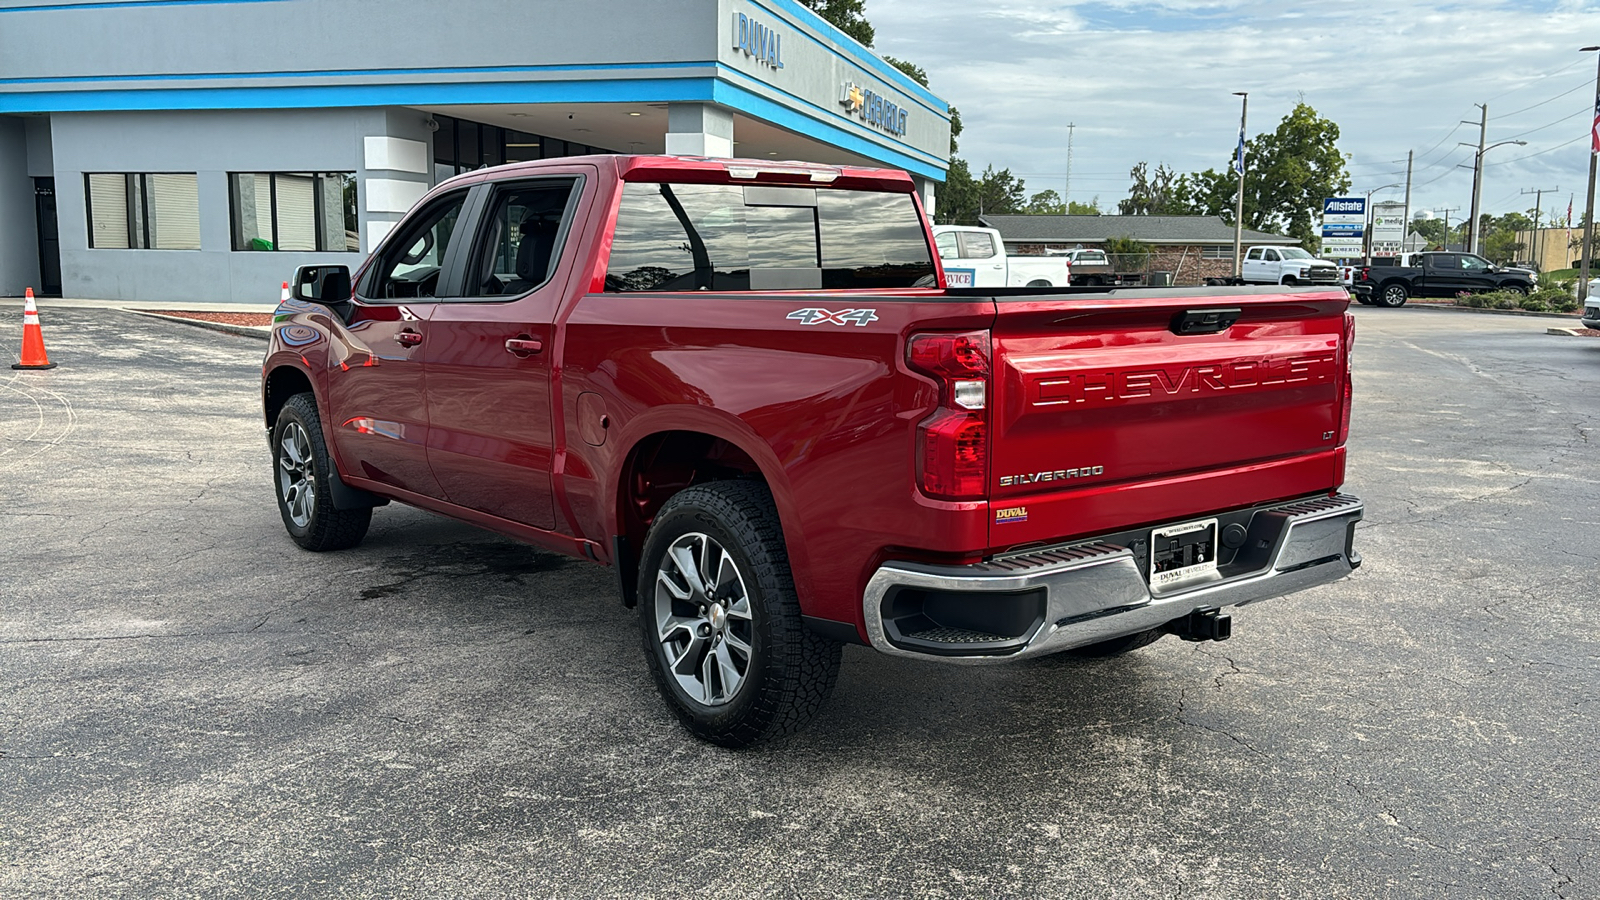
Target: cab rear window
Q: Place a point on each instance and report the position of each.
(689, 237)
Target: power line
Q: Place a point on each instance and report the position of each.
(1543, 102)
(1513, 159)
(1543, 127)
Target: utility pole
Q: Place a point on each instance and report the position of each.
(1066, 193)
(1588, 215)
(1405, 233)
(1238, 206)
(1477, 175)
(1447, 210)
(1538, 211)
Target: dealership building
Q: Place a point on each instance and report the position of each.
(199, 150)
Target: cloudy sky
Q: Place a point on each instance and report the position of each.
(1154, 81)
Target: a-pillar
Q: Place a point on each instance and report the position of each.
(699, 129)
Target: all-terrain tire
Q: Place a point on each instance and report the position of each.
(788, 671)
(301, 468)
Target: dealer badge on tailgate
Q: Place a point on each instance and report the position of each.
(1181, 555)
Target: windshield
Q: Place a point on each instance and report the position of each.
(1295, 253)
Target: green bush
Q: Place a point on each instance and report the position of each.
(1568, 304)
(1476, 301)
(1532, 303)
(1550, 298)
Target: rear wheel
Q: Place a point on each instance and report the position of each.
(1393, 295)
(722, 627)
(301, 471)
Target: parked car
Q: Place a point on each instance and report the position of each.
(743, 386)
(1286, 265)
(1591, 305)
(1440, 274)
(1093, 268)
(976, 257)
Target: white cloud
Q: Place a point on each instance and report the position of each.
(1154, 82)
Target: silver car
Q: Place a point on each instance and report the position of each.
(1591, 306)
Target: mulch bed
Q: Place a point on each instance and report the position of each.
(226, 318)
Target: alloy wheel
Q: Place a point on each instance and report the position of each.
(297, 475)
(703, 619)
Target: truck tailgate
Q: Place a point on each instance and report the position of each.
(1111, 412)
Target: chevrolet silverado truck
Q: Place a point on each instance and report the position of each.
(744, 386)
(1439, 274)
(977, 257)
(1286, 265)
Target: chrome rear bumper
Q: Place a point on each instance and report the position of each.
(1059, 598)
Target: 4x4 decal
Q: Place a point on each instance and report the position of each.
(814, 316)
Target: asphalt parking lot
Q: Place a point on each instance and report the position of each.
(190, 706)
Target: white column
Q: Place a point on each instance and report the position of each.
(928, 188)
(699, 129)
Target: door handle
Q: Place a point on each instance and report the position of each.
(408, 338)
(524, 346)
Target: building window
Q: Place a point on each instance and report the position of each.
(460, 145)
(1216, 251)
(143, 211)
(294, 211)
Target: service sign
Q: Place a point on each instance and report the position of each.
(959, 278)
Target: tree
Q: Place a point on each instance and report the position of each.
(1158, 194)
(849, 16)
(1289, 171)
(964, 198)
(1431, 230)
(1048, 203)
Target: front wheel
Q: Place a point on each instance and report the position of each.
(1290, 281)
(721, 624)
(1394, 295)
(301, 469)
(1517, 289)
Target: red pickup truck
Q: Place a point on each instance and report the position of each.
(742, 386)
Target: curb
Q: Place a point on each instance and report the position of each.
(259, 332)
(1492, 312)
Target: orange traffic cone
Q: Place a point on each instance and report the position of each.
(284, 296)
(33, 355)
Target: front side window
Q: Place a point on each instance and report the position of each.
(519, 243)
(1255, 253)
(294, 211)
(137, 211)
(685, 237)
(412, 261)
(1472, 263)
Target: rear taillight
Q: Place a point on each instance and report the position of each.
(953, 442)
(1344, 405)
(1366, 274)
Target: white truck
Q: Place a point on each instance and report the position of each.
(976, 257)
(1286, 265)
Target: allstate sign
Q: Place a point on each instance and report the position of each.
(1347, 206)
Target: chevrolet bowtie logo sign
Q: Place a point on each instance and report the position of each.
(872, 108)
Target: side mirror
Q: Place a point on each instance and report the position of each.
(328, 285)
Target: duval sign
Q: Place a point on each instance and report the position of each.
(758, 42)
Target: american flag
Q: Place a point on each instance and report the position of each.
(1594, 133)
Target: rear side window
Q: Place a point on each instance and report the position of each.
(977, 245)
(688, 237)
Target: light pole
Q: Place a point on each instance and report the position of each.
(1477, 187)
(1588, 207)
(1238, 203)
(1367, 232)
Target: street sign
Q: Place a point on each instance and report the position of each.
(1341, 248)
(1341, 229)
